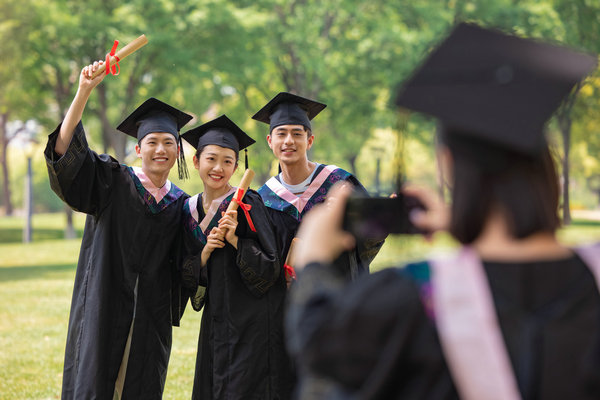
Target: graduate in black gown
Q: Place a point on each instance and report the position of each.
(513, 314)
(302, 183)
(126, 295)
(237, 275)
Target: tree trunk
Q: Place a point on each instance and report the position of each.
(69, 228)
(564, 123)
(566, 135)
(352, 161)
(62, 92)
(4, 140)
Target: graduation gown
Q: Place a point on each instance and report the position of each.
(126, 273)
(286, 211)
(241, 352)
(377, 338)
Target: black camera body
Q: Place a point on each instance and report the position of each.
(376, 217)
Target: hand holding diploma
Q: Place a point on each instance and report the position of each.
(114, 58)
(89, 78)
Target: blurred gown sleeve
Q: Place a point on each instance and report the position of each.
(257, 252)
(360, 334)
(80, 177)
(194, 277)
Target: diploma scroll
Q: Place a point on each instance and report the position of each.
(121, 54)
(239, 195)
(242, 189)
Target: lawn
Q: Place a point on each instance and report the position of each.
(36, 283)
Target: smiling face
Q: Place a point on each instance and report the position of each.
(290, 143)
(158, 152)
(215, 165)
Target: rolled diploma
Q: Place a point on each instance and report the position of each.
(243, 186)
(124, 52)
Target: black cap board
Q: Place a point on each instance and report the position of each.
(289, 109)
(220, 131)
(494, 87)
(154, 116)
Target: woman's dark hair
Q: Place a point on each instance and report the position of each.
(201, 148)
(485, 177)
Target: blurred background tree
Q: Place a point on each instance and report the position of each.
(211, 57)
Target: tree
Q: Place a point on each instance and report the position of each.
(12, 33)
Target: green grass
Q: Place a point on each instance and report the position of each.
(36, 284)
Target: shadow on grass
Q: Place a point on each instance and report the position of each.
(585, 223)
(33, 272)
(15, 235)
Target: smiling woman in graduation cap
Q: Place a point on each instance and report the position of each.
(513, 314)
(236, 274)
(126, 294)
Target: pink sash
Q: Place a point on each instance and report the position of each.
(212, 210)
(468, 326)
(300, 201)
(590, 254)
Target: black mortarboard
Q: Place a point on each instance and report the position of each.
(289, 109)
(156, 116)
(222, 132)
(493, 87)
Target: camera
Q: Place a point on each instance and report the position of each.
(376, 217)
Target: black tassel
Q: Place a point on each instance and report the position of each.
(246, 156)
(181, 164)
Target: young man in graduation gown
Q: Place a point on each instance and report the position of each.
(237, 276)
(513, 314)
(126, 295)
(303, 183)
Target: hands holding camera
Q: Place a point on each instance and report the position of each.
(322, 238)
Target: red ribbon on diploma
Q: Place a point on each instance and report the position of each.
(289, 271)
(245, 207)
(116, 68)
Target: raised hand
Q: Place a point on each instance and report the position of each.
(85, 81)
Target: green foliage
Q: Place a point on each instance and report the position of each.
(212, 57)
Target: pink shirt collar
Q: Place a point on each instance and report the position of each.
(156, 192)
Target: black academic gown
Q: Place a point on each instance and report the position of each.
(241, 351)
(127, 242)
(287, 220)
(375, 339)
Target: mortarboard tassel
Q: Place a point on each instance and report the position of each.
(246, 157)
(181, 164)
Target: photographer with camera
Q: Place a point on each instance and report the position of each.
(513, 313)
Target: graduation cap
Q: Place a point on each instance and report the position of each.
(222, 132)
(156, 116)
(493, 88)
(289, 109)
